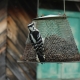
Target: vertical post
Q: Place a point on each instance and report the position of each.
(64, 5)
(37, 7)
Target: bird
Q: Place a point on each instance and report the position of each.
(35, 38)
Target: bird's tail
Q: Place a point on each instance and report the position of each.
(40, 57)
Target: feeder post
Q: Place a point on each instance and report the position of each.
(37, 7)
(64, 5)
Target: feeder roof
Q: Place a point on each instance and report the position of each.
(50, 16)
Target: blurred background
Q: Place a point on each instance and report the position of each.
(15, 15)
(3, 38)
(19, 14)
(54, 71)
(56, 7)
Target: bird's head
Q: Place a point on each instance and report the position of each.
(32, 27)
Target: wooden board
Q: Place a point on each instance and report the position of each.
(2, 66)
(3, 32)
(2, 37)
(14, 33)
(17, 21)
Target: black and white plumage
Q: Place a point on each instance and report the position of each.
(37, 42)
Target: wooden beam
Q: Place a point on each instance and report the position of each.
(3, 14)
(11, 49)
(2, 49)
(2, 66)
(14, 33)
(19, 20)
(2, 38)
(15, 68)
(24, 68)
(10, 74)
(3, 25)
(12, 46)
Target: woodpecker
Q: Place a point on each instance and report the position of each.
(37, 41)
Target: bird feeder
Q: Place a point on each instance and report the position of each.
(59, 42)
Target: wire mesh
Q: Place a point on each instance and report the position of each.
(55, 26)
(59, 42)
